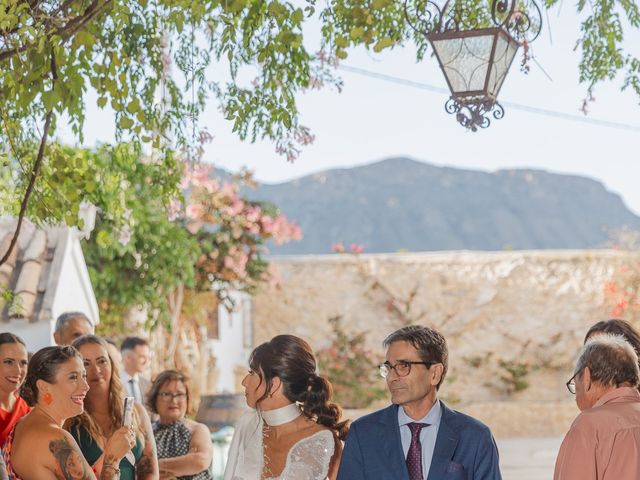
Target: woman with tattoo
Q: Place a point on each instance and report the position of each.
(38, 448)
(184, 446)
(13, 368)
(104, 411)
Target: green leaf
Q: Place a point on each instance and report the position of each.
(125, 123)
(383, 43)
(342, 42)
(134, 106)
(297, 16)
(356, 33)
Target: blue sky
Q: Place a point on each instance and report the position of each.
(373, 119)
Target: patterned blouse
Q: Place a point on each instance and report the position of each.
(173, 440)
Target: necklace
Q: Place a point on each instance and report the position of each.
(280, 416)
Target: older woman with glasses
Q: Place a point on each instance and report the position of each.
(184, 446)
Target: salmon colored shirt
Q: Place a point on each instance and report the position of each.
(603, 442)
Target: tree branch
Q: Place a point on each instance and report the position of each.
(69, 30)
(35, 171)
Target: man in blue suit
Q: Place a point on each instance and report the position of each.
(418, 437)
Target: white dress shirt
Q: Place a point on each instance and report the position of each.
(132, 386)
(428, 434)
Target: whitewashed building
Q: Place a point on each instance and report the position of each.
(48, 275)
(232, 344)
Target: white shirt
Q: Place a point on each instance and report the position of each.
(428, 434)
(132, 386)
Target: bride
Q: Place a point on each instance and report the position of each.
(295, 432)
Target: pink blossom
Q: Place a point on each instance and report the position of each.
(173, 209)
(211, 185)
(337, 247)
(275, 276)
(253, 213)
(229, 189)
(235, 208)
(282, 230)
(267, 225)
(236, 261)
(194, 211)
(200, 174)
(356, 248)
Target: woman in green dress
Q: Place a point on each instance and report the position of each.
(103, 413)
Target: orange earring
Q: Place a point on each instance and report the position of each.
(47, 398)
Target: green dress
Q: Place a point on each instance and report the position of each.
(92, 451)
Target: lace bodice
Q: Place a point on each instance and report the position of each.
(309, 458)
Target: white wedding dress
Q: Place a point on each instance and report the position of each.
(308, 459)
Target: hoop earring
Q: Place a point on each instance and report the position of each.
(47, 398)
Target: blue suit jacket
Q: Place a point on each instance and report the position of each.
(464, 450)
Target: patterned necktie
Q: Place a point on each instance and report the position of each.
(414, 455)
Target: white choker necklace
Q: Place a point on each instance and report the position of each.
(281, 415)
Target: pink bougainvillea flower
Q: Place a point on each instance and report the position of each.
(356, 248)
(194, 211)
(337, 247)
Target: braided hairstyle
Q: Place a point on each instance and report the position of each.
(291, 360)
(44, 365)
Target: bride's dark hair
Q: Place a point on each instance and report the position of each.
(291, 360)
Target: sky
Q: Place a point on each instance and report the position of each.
(373, 119)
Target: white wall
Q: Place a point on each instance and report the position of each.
(233, 347)
(35, 335)
(74, 291)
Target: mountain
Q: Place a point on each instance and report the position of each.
(402, 204)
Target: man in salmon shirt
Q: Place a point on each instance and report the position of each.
(603, 442)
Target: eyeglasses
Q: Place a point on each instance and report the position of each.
(402, 368)
(168, 396)
(571, 384)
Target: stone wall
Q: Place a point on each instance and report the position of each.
(503, 313)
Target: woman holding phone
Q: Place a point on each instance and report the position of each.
(105, 413)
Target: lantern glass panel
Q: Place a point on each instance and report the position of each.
(505, 51)
(464, 60)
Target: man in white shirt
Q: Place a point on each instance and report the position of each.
(135, 358)
(71, 325)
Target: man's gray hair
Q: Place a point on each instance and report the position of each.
(66, 317)
(611, 360)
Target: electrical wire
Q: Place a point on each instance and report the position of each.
(515, 106)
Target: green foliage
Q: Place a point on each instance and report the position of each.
(515, 375)
(249, 55)
(351, 368)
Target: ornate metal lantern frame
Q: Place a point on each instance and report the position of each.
(475, 61)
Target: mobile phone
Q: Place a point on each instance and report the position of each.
(127, 414)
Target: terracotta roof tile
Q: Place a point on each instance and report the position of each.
(28, 270)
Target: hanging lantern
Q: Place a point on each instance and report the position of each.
(475, 61)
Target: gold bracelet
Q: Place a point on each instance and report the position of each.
(115, 469)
